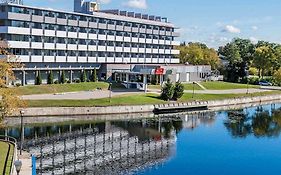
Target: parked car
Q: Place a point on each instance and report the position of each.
(265, 83)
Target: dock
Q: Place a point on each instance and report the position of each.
(180, 107)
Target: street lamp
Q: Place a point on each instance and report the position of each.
(110, 92)
(21, 130)
(193, 89)
(18, 165)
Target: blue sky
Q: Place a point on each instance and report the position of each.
(214, 22)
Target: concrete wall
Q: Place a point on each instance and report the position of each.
(68, 111)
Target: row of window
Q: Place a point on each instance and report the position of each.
(35, 25)
(46, 39)
(81, 17)
(39, 52)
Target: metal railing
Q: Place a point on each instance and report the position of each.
(13, 141)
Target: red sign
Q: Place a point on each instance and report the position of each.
(159, 71)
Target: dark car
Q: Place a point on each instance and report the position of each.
(265, 83)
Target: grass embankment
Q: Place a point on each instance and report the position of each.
(186, 87)
(4, 146)
(212, 85)
(60, 88)
(219, 85)
(140, 99)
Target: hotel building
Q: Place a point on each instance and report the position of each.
(110, 41)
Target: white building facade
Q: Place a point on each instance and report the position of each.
(47, 40)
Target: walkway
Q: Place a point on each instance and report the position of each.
(26, 168)
(83, 95)
(99, 94)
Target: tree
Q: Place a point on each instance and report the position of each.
(239, 55)
(167, 92)
(38, 80)
(277, 77)
(50, 78)
(198, 53)
(263, 59)
(230, 53)
(83, 76)
(62, 78)
(94, 75)
(178, 91)
(10, 103)
(10, 100)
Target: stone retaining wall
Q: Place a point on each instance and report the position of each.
(67, 111)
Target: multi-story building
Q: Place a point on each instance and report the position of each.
(47, 40)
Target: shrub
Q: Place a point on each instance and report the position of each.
(68, 81)
(167, 92)
(254, 80)
(56, 82)
(38, 80)
(178, 91)
(62, 78)
(50, 78)
(18, 84)
(77, 81)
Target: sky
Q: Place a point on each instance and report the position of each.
(213, 22)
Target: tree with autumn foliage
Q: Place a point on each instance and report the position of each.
(10, 101)
(199, 54)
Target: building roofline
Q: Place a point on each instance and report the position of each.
(101, 15)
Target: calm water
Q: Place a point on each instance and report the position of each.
(229, 142)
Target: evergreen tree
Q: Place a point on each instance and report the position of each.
(38, 80)
(83, 76)
(178, 91)
(62, 78)
(167, 91)
(94, 75)
(50, 78)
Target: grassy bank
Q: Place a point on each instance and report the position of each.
(3, 153)
(60, 88)
(219, 85)
(186, 87)
(140, 99)
(212, 85)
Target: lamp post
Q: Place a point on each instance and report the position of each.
(193, 89)
(18, 165)
(21, 130)
(110, 92)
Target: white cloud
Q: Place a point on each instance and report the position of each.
(105, 1)
(140, 4)
(254, 28)
(231, 29)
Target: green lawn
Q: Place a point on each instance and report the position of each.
(3, 153)
(188, 86)
(139, 99)
(60, 88)
(219, 85)
(212, 85)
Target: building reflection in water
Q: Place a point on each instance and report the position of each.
(112, 147)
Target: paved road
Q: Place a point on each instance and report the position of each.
(98, 94)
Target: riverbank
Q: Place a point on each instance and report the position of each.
(149, 108)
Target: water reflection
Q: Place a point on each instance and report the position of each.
(132, 146)
(261, 123)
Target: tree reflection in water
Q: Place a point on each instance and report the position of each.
(263, 123)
